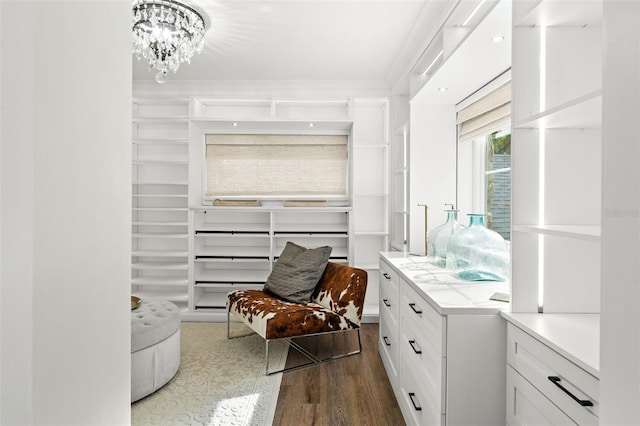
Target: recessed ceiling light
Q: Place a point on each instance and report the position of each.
(497, 38)
(443, 89)
(310, 124)
(235, 124)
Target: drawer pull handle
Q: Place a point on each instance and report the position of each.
(414, 345)
(387, 276)
(386, 340)
(413, 307)
(386, 302)
(584, 402)
(412, 397)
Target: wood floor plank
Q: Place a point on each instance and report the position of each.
(350, 391)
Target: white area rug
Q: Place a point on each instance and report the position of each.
(219, 382)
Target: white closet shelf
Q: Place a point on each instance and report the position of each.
(226, 287)
(162, 120)
(158, 101)
(371, 146)
(160, 162)
(159, 253)
(271, 125)
(160, 209)
(157, 223)
(373, 232)
(163, 141)
(160, 195)
(237, 260)
(259, 230)
(179, 297)
(160, 281)
(577, 232)
(314, 234)
(232, 276)
(173, 183)
(168, 266)
(232, 252)
(573, 13)
(161, 235)
(582, 112)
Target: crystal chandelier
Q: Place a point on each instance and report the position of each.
(166, 33)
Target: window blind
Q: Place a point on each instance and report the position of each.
(490, 113)
(286, 166)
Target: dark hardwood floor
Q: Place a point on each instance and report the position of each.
(353, 390)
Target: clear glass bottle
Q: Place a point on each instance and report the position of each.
(477, 253)
(438, 238)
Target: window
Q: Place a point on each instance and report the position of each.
(484, 158)
(497, 172)
(276, 166)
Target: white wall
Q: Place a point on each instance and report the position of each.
(65, 212)
(620, 316)
(16, 215)
(432, 165)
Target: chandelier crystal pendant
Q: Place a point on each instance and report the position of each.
(166, 33)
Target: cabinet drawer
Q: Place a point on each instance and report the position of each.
(425, 359)
(427, 320)
(417, 406)
(565, 384)
(389, 342)
(389, 294)
(527, 406)
(389, 299)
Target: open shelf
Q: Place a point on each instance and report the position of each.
(578, 232)
(582, 112)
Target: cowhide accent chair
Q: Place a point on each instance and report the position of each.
(336, 306)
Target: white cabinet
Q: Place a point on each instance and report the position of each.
(442, 343)
(160, 145)
(552, 375)
(234, 248)
(389, 319)
(556, 151)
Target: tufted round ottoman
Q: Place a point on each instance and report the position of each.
(155, 346)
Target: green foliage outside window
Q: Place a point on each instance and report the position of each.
(498, 208)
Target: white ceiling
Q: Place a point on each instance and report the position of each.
(365, 40)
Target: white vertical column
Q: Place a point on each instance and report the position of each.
(620, 297)
(16, 213)
(66, 206)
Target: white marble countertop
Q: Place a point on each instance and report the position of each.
(575, 336)
(444, 292)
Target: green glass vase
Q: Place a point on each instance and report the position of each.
(438, 238)
(477, 253)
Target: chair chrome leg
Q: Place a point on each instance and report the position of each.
(313, 360)
(266, 361)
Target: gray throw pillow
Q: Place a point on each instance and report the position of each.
(297, 272)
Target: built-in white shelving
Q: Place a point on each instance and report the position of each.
(160, 199)
(557, 144)
(235, 248)
(186, 255)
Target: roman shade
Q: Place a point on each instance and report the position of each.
(490, 113)
(270, 165)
